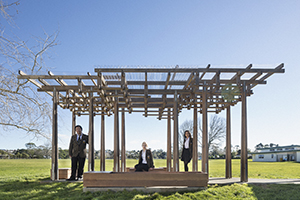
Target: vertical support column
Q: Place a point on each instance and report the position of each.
(204, 131)
(91, 164)
(54, 167)
(169, 141)
(116, 136)
(73, 122)
(195, 128)
(123, 149)
(195, 139)
(175, 142)
(102, 142)
(228, 144)
(244, 153)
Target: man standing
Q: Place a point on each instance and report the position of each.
(77, 151)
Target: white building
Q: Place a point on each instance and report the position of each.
(277, 154)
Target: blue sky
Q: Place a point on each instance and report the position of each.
(220, 33)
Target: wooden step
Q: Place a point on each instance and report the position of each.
(144, 179)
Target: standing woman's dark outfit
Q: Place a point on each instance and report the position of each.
(145, 161)
(187, 152)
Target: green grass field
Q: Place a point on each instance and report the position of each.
(21, 179)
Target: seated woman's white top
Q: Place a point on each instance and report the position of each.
(144, 161)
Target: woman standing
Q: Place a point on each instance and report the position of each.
(187, 150)
(145, 159)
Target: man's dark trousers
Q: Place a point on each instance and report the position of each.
(75, 161)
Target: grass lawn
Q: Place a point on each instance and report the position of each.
(20, 179)
(279, 170)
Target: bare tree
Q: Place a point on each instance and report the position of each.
(21, 106)
(216, 130)
(5, 9)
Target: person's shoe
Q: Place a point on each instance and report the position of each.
(79, 179)
(71, 179)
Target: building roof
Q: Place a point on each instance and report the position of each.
(276, 147)
(272, 149)
(275, 152)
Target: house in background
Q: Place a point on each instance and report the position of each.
(277, 154)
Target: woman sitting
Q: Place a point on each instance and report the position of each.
(145, 159)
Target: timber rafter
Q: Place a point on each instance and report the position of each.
(151, 90)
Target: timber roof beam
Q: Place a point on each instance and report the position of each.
(150, 88)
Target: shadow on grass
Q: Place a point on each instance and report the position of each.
(26, 189)
(276, 191)
(41, 189)
(34, 189)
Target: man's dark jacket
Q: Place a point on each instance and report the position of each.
(78, 147)
(149, 158)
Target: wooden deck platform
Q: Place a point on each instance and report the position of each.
(144, 179)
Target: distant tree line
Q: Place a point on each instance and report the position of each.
(31, 152)
(261, 145)
(44, 152)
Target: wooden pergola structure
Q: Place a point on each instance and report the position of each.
(162, 92)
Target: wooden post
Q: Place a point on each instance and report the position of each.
(195, 128)
(244, 153)
(55, 175)
(73, 122)
(204, 131)
(175, 142)
(169, 142)
(228, 144)
(195, 139)
(91, 158)
(102, 142)
(123, 149)
(116, 137)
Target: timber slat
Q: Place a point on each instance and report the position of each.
(120, 82)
